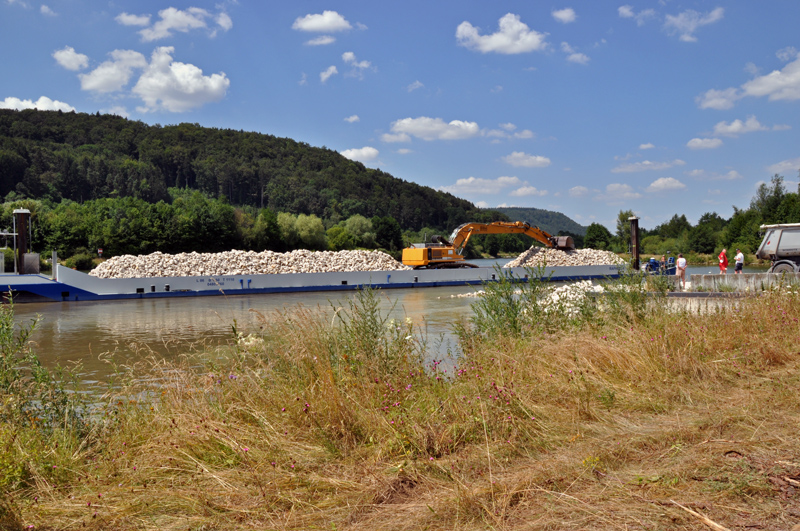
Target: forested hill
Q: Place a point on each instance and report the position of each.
(547, 220)
(55, 156)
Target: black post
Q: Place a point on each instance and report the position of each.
(634, 242)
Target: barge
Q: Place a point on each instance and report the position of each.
(70, 285)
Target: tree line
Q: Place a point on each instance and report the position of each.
(772, 204)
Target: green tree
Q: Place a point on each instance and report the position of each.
(624, 229)
(597, 237)
(388, 233)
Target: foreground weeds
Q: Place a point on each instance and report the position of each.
(620, 415)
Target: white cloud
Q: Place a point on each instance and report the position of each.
(665, 184)
(327, 73)
(404, 151)
(578, 191)
(322, 40)
(704, 143)
(512, 37)
(526, 191)
(482, 204)
(508, 130)
(303, 80)
(70, 59)
(117, 110)
(113, 75)
(177, 87)
(395, 137)
(646, 146)
(646, 166)
(617, 192)
(45, 10)
(431, 129)
(126, 19)
(358, 67)
(704, 175)
(785, 167)
(519, 158)
(352, 119)
(184, 21)
(718, 99)
(643, 16)
(475, 185)
(787, 54)
(565, 16)
(685, 24)
(43, 104)
(573, 56)
(737, 127)
(327, 22)
(777, 85)
(364, 154)
(414, 86)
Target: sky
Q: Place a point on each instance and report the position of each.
(582, 107)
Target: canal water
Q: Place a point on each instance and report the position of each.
(98, 335)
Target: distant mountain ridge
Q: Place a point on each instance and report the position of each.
(547, 220)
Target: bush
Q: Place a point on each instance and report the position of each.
(81, 262)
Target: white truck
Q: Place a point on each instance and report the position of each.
(781, 245)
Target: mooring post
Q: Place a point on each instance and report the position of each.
(634, 242)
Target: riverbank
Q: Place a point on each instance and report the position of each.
(627, 415)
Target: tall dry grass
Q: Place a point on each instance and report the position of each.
(570, 418)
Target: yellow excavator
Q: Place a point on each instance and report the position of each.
(443, 254)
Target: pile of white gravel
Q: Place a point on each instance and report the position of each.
(244, 263)
(538, 256)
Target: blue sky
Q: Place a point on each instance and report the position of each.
(585, 107)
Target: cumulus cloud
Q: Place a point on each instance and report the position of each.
(703, 175)
(573, 56)
(172, 20)
(578, 191)
(176, 87)
(565, 16)
(326, 22)
(617, 193)
(718, 99)
(322, 40)
(414, 86)
(665, 184)
(113, 75)
(785, 167)
(686, 24)
(427, 128)
(475, 185)
(70, 59)
(364, 154)
(45, 10)
(647, 166)
(646, 146)
(126, 19)
(352, 119)
(526, 191)
(520, 158)
(777, 85)
(738, 127)
(43, 104)
(327, 73)
(508, 130)
(704, 143)
(641, 17)
(787, 54)
(512, 37)
(357, 67)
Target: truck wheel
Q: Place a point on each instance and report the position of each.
(782, 268)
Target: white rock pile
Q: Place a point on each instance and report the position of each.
(538, 256)
(244, 263)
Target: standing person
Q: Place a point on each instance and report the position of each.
(723, 263)
(680, 271)
(737, 270)
(663, 263)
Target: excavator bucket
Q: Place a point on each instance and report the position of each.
(564, 243)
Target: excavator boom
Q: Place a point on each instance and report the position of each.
(444, 253)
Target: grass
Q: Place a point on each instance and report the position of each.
(619, 416)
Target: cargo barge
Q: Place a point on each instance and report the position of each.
(70, 285)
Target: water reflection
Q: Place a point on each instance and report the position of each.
(91, 332)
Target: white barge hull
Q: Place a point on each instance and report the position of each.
(70, 285)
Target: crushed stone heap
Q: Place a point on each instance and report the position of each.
(244, 263)
(537, 256)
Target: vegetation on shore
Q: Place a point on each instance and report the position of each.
(608, 413)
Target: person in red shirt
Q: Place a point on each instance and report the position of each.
(723, 263)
